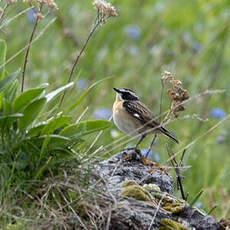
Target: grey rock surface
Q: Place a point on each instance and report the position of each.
(131, 213)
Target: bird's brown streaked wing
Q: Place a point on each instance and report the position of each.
(140, 111)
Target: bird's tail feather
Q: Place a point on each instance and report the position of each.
(168, 134)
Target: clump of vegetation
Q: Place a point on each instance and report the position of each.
(38, 140)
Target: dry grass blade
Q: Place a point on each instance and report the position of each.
(109, 218)
(201, 136)
(155, 214)
(7, 22)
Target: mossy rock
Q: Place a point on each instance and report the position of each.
(136, 191)
(128, 183)
(173, 207)
(167, 224)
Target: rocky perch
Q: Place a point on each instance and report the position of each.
(141, 197)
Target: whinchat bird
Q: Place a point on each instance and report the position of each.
(133, 117)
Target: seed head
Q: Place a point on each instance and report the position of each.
(104, 8)
(38, 16)
(50, 3)
(176, 93)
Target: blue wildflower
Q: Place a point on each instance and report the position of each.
(144, 152)
(198, 204)
(82, 84)
(102, 113)
(156, 157)
(133, 31)
(196, 47)
(30, 15)
(220, 139)
(217, 113)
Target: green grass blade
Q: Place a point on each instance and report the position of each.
(40, 171)
(84, 128)
(56, 92)
(197, 196)
(72, 107)
(212, 209)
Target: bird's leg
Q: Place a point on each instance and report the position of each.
(140, 140)
(150, 147)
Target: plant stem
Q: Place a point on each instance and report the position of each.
(161, 101)
(27, 54)
(97, 23)
(176, 167)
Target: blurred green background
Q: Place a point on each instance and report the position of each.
(188, 38)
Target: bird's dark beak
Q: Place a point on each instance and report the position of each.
(117, 90)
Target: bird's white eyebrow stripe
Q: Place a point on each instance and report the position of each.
(128, 91)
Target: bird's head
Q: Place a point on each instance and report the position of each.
(126, 94)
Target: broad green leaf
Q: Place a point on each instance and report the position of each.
(75, 104)
(3, 48)
(6, 120)
(55, 123)
(31, 112)
(4, 83)
(37, 141)
(27, 97)
(84, 128)
(37, 129)
(56, 92)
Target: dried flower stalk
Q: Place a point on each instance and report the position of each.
(104, 11)
(38, 16)
(176, 93)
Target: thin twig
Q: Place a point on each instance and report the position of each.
(177, 170)
(150, 147)
(27, 54)
(161, 101)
